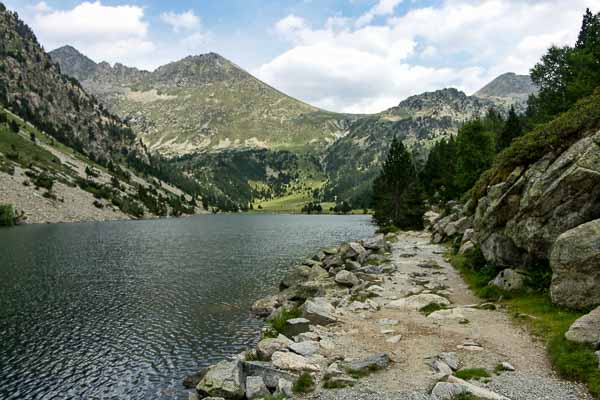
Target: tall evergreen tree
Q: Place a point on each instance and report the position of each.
(512, 128)
(397, 192)
(475, 152)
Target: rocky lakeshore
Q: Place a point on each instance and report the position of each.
(384, 318)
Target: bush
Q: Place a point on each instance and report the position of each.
(304, 384)
(8, 217)
(279, 321)
(472, 373)
(43, 180)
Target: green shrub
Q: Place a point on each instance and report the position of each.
(304, 384)
(43, 180)
(8, 217)
(279, 321)
(472, 373)
(388, 229)
(431, 308)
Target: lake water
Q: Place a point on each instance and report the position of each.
(124, 310)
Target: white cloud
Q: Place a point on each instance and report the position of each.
(184, 21)
(42, 8)
(359, 66)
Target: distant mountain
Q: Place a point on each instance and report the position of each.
(353, 161)
(204, 102)
(508, 89)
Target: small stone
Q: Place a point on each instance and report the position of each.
(387, 331)
(507, 366)
(346, 278)
(387, 322)
(394, 339)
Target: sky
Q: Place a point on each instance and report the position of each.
(357, 56)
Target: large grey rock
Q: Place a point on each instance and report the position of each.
(265, 307)
(451, 359)
(319, 311)
(466, 247)
(586, 329)
(293, 362)
(296, 326)
(457, 227)
(418, 302)
(306, 348)
(270, 374)
(468, 236)
(285, 388)
(346, 278)
(375, 243)
(295, 276)
(575, 262)
(535, 205)
(256, 388)
(352, 250)
(370, 363)
(351, 265)
(317, 273)
(509, 279)
(447, 391)
(266, 347)
(224, 379)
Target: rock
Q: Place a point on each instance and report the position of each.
(346, 278)
(476, 391)
(373, 362)
(441, 368)
(418, 302)
(223, 380)
(502, 250)
(317, 273)
(457, 227)
(509, 279)
(266, 347)
(468, 236)
(311, 263)
(319, 311)
(387, 321)
(285, 388)
(334, 369)
(293, 362)
(394, 339)
(267, 372)
(466, 247)
(307, 336)
(375, 243)
(341, 381)
(598, 355)
(191, 381)
(351, 265)
(586, 329)
(367, 305)
(575, 261)
(296, 275)
(295, 326)
(372, 270)
(353, 251)
(333, 261)
(375, 289)
(265, 307)
(256, 388)
(508, 366)
(447, 391)
(330, 251)
(305, 349)
(451, 359)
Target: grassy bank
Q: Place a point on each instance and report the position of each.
(533, 308)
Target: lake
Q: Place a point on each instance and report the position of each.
(121, 310)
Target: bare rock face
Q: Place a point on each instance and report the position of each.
(223, 380)
(319, 311)
(575, 262)
(586, 329)
(521, 218)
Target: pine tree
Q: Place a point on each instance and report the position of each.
(397, 193)
(513, 128)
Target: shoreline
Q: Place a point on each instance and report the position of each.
(349, 323)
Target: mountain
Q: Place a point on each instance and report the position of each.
(353, 161)
(204, 102)
(63, 156)
(508, 89)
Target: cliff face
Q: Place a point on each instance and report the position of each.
(553, 187)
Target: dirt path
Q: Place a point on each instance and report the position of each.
(421, 268)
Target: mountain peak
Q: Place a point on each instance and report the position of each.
(508, 85)
(73, 63)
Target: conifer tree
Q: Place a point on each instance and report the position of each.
(512, 128)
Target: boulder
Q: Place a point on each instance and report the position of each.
(586, 329)
(311, 263)
(295, 276)
(256, 388)
(346, 278)
(266, 347)
(224, 379)
(375, 243)
(509, 279)
(270, 374)
(466, 247)
(575, 263)
(319, 311)
(502, 250)
(457, 227)
(447, 391)
(265, 307)
(296, 326)
(450, 358)
(317, 273)
(418, 302)
(191, 381)
(293, 362)
(307, 336)
(351, 265)
(352, 250)
(333, 261)
(441, 368)
(370, 363)
(285, 388)
(306, 348)
(476, 391)
(468, 236)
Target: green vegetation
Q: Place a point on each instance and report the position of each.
(431, 308)
(277, 324)
(275, 397)
(397, 191)
(472, 373)
(8, 217)
(304, 384)
(361, 373)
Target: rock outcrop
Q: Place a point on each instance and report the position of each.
(586, 329)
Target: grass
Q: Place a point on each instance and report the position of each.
(279, 321)
(431, 308)
(548, 322)
(472, 373)
(26, 153)
(304, 384)
(330, 384)
(361, 373)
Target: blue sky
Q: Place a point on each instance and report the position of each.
(342, 55)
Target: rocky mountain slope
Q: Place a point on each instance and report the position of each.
(201, 103)
(508, 89)
(352, 162)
